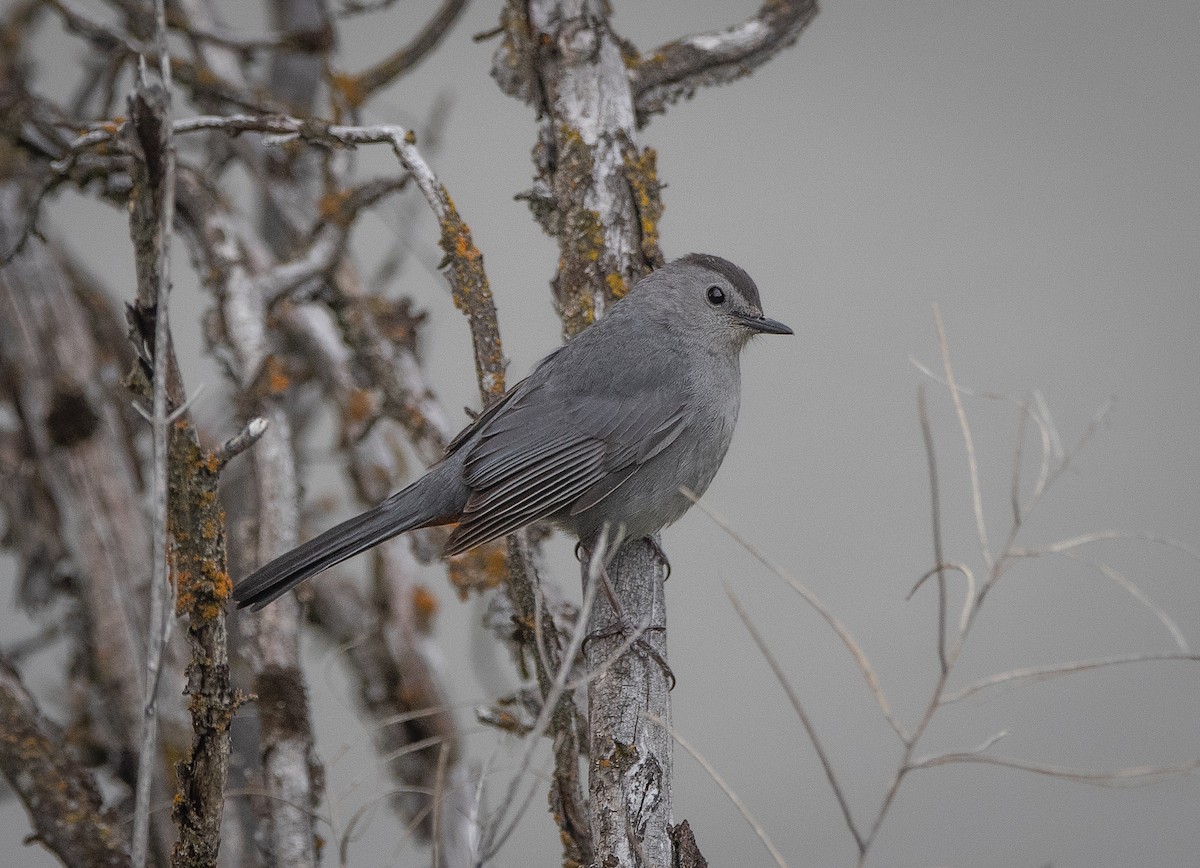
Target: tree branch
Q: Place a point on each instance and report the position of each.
(680, 68)
(61, 796)
(360, 87)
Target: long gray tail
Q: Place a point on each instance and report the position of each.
(435, 498)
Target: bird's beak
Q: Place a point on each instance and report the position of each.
(765, 325)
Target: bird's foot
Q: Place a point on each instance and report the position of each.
(639, 646)
(656, 549)
(622, 626)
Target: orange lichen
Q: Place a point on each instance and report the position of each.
(425, 607)
(277, 379)
(331, 206)
(481, 568)
(641, 173)
(349, 86)
(359, 406)
(222, 585)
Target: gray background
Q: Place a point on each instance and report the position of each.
(1030, 166)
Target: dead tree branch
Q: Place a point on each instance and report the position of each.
(61, 796)
(680, 68)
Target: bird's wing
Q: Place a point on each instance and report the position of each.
(559, 447)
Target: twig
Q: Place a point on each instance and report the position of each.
(860, 658)
(1131, 588)
(968, 601)
(1033, 674)
(150, 109)
(1018, 459)
(826, 763)
(1122, 777)
(726, 789)
(968, 440)
(358, 88)
(936, 510)
(1100, 536)
(61, 796)
(241, 441)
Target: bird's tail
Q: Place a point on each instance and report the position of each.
(425, 502)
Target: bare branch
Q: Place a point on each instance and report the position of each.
(151, 218)
(61, 796)
(525, 592)
(936, 509)
(240, 442)
(968, 440)
(80, 448)
(1132, 588)
(1099, 536)
(1033, 674)
(1133, 776)
(678, 69)
(495, 836)
(468, 281)
(360, 87)
(968, 602)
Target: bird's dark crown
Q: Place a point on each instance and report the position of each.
(737, 278)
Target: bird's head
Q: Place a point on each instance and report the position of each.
(710, 298)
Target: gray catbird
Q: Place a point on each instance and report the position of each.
(606, 430)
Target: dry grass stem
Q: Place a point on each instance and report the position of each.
(1088, 538)
(1135, 591)
(726, 789)
(860, 657)
(792, 696)
(964, 619)
(936, 512)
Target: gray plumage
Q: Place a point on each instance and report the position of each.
(606, 429)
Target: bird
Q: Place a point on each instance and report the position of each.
(615, 431)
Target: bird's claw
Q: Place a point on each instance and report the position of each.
(639, 645)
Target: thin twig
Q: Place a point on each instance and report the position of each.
(1100, 536)
(860, 656)
(725, 788)
(1033, 674)
(357, 88)
(792, 696)
(936, 510)
(1122, 777)
(1018, 459)
(240, 442)
(157, 146)
(968, 440)
(964, 619)
(1131, 588)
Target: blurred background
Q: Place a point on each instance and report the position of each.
(1033, 167)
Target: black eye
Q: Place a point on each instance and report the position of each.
(716, 295)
